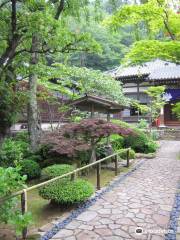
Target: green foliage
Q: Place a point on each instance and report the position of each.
(139, 141)
(117, 142)
(83, 157)
(30, 168)
(142, 124)
(156, 27)
(56, 170)
(123, 154)
(67, 192)
(10, 181)
(176, 110)
(146, 50)
(10, 105)
(157, 100)
(86, 81)
(114, 45)
(154, 135)
(12, 152)
(22, 136)
(101, 151)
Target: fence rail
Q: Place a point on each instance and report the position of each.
(73, 174)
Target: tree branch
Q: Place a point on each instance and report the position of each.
(59, 9)
(166, 21)
(13, 17)
(14, 39)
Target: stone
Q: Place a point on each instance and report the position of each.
(121, 233)
(104, 211)
(160, 219)
(85, 227)
(87, 235)
(63, 233)
(105, 221)
(46, 227)
(87, 216)
(73, 225)
(103, 232)
(156, 237)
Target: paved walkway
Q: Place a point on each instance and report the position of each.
(144, 199)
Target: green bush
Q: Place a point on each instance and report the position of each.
(67, 192)
(117, 142)
(11, 181)
(154, 135)
(10, 153)
(151, 147)
(30, 168)
(143, 123)
(123, 154)
(22, 136)
(101, 151)
(56, 170)
(139, 141)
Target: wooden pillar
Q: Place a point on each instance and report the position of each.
(138, 97)
(98, 169)
(24, 210)
(92, 110)
(127, 158)
(161, 118)
(108, 119)
(116, 165)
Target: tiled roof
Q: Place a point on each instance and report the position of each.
(153, 70)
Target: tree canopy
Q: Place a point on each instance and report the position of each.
(157, 27)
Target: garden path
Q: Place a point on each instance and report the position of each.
(143, 199)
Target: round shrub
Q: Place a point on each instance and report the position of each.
(30, 168)
(123, 154)
(140, 143)
(56, 170)
(151, 147)
(67, 192)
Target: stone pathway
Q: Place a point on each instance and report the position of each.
(142, 201)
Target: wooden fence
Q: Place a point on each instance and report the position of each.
(73, 174)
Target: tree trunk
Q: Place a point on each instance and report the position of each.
(93, 151)
(34, 128)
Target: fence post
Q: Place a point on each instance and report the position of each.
(24, 210)
(73, 175)
(128, 157)
(98, 168)
(116, 165)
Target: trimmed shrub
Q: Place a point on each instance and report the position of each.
(30, 168)
(56, 170)
(67, 192)
(151, 147)
(139, 142)
(123, 154)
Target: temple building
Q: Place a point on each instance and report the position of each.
(137, 79)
